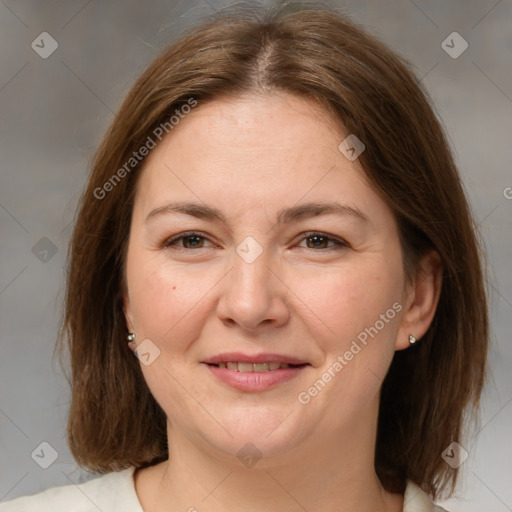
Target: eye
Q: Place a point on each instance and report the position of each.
(195, 240)
(191, 239)
(319, 240)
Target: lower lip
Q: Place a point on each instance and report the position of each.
(255, 381)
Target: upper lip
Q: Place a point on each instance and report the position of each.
(255, 358)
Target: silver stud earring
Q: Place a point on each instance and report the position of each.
(131, 337)
(412, 339)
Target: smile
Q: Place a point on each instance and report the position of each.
(254, 377)
(239, 366)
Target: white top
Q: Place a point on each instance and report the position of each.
(115, 492)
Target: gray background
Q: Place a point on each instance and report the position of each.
(54, 111)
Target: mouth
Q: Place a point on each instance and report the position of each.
(254, 373)
(238, 366)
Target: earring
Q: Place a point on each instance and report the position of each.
(412, 339)
(131, 337)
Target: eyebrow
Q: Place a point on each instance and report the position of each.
(285, 216)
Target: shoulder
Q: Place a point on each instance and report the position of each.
(417, 500)
(113, 492)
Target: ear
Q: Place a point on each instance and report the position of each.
(128, 316)
(127, 310)
(421, 299)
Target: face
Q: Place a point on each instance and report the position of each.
(322, 290)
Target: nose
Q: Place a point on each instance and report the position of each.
(254, 294)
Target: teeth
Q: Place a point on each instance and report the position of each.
(245, 367)
(252, 367)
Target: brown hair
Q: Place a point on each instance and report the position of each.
(314, 52)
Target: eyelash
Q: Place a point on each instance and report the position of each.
(171, 243)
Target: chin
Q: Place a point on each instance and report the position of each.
(262, 432)
(253, 450)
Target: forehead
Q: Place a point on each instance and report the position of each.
(245, 152)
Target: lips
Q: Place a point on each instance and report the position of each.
(239, 366)
(238, 357)
(254, 373)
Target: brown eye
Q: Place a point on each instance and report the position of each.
(319, 240)
(190, 240)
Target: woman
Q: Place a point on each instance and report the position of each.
(274, 226)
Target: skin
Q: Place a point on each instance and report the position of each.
(250, 157)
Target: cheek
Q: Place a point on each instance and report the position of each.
(168, 302)
(343, 301)
(169, 307)
(355, 324)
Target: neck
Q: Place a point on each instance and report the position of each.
(333, 476)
